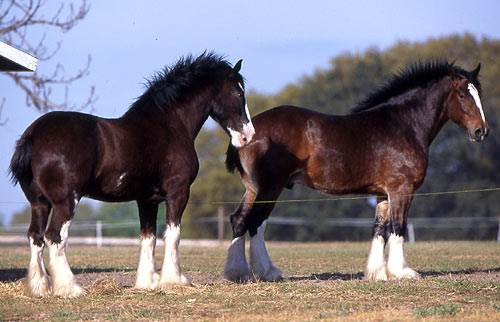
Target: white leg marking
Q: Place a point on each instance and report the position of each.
(63, 283)
(375, 264)
(147, 277)
(396, 263)
(236, 268)
(38, 281)
(475, 94)
(261, 264)
(171, 270)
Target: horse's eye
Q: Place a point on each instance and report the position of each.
(462, 96)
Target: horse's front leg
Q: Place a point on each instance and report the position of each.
(171, 270)
(397, 268)
(147, 276)
(236, 268)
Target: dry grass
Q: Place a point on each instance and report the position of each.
(461, 282)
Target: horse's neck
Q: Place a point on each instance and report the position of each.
(186, 118)
(429, 115)
(192, 115)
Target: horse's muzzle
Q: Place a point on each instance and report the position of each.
(479, 134)
(240, 139)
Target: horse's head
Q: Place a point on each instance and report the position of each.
(230, 110)
(464, 104)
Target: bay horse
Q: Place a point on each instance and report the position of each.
(147, 155)
(380, 148)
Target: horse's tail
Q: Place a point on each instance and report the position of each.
(232, 159)
(20, 165)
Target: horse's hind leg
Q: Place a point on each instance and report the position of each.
(147, 276)
(63, 282)
(38, 281)
(375, 269)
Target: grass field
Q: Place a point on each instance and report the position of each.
(461, 281)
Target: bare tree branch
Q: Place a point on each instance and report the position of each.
(17, 20)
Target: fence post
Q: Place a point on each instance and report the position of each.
(220, 223)
(98, 233)
(498, 235)
(411, 233)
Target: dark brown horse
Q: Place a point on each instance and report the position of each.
(381, 148)
(146, 155)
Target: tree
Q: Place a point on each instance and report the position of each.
(20, 22)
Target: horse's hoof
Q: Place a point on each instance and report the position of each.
(69, 291)
(239, 275)
(169, 282)
(149, 284)
(377, 274)
(274, 274)
(405, 273)
(40, 288)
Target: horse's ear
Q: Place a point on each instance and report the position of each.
(475, 72)
(237, 66)
(452, 68)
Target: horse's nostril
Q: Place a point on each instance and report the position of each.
(479, 132)
(245, 139)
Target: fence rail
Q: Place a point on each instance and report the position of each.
(428, 222)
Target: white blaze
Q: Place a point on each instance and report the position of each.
(248, 129)
(475, 94)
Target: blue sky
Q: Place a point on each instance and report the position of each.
(280, 41)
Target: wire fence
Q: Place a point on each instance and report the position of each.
(414, 223)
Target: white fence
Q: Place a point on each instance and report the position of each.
(220, 220)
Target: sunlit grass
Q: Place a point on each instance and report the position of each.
(461, 280)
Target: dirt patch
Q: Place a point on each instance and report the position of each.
(127, 279)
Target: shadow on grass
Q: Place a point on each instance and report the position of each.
(461, 272)
(14, 274)
(360, 275)
(328, 276)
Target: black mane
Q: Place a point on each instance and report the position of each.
(419, 74)
(169, 87)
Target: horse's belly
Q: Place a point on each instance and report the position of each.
(123, 187)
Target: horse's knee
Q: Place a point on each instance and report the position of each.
(37, 238)
(239, 227)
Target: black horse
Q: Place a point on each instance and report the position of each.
(381, 148)
(146, 155)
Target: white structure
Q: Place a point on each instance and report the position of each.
(15, 60)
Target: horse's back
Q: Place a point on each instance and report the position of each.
(57, 143)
